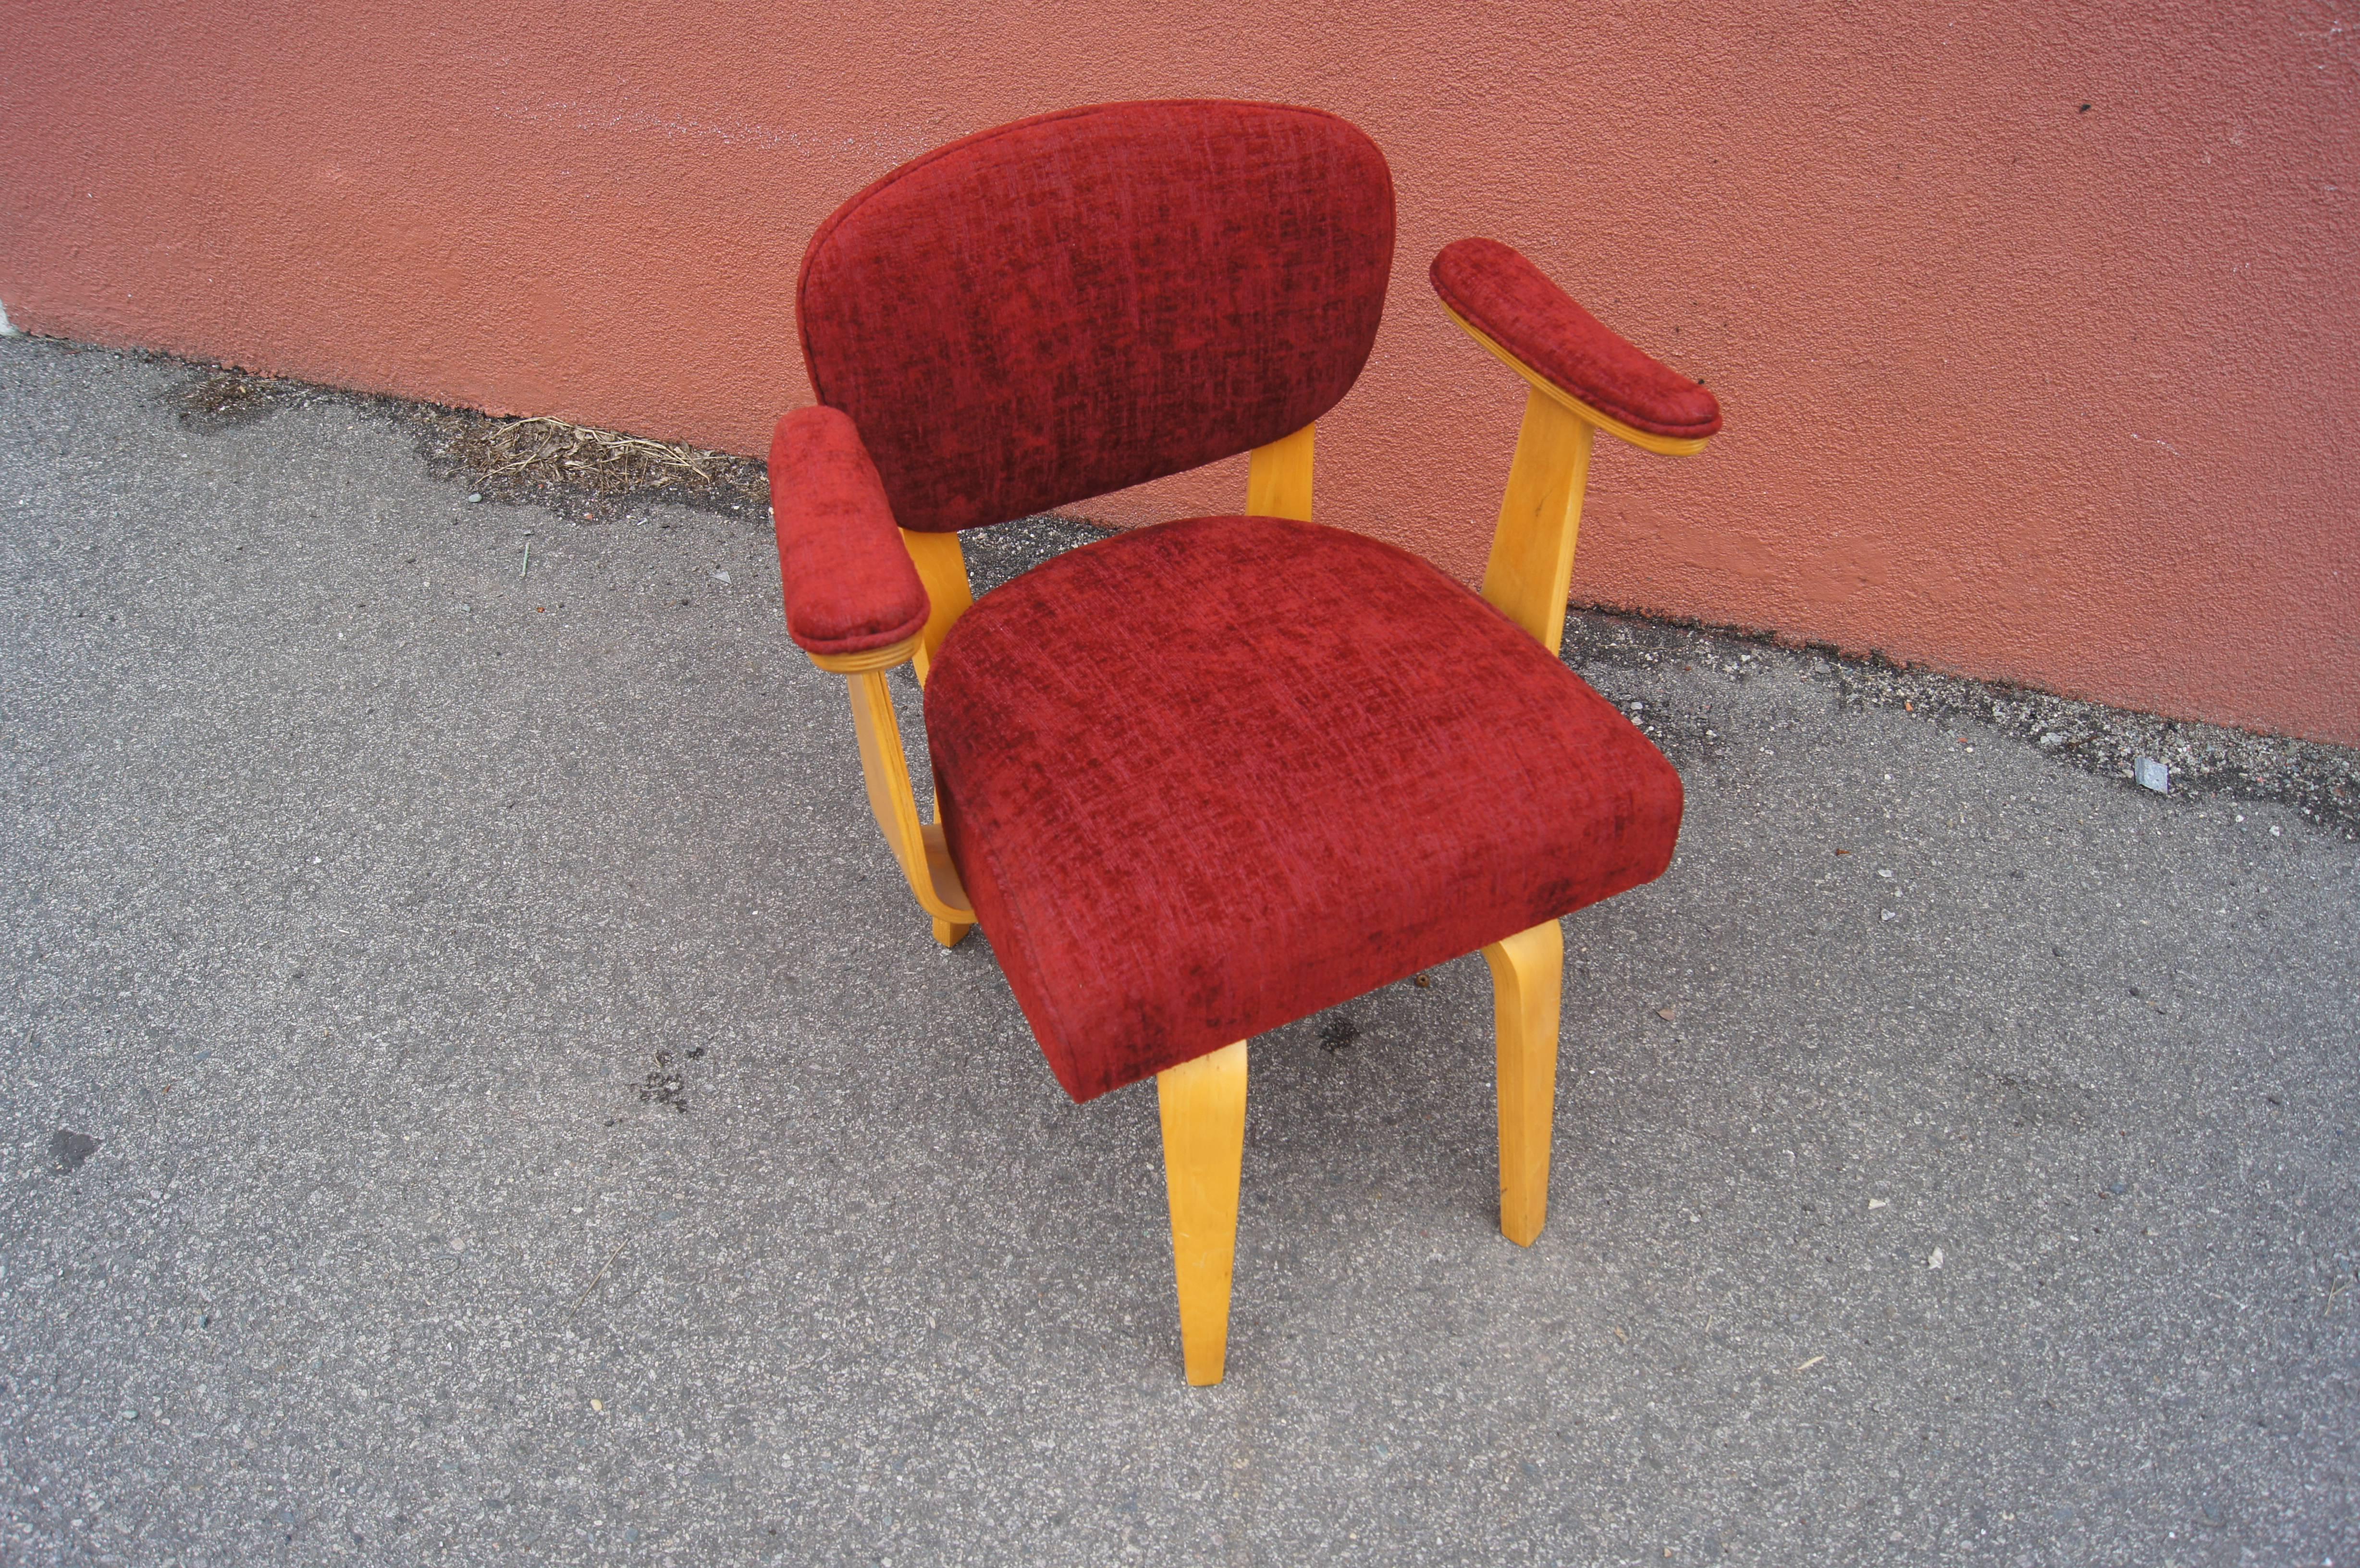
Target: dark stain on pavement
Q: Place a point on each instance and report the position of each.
(68, 1149)
(668, 1085)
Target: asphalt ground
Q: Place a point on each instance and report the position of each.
(479, 1091)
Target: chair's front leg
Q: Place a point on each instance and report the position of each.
(1527, 983)
(1204, 1107)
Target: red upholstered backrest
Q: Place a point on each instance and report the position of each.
(1062, 307)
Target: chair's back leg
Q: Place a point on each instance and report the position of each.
(1528, 980)
(1204, 1107)
(1278, 478)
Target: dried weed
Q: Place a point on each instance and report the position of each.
(539, 452)
(224, 398)
(579, 470)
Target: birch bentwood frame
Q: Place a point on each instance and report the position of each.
(1198, 780)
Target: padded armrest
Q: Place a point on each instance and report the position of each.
(850, 584)
(1511, 301)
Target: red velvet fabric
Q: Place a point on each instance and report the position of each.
(1211, 777)
(1513, 302)
(1065, 305)
(848, 580)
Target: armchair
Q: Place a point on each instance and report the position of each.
(1198, 780)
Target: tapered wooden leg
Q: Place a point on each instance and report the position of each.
(1278, 478)
(1528, 980)
(950, 933)
(1204, 1106)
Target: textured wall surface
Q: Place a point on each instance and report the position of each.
(2016, 387)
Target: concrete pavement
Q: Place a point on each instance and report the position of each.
(533, 1124)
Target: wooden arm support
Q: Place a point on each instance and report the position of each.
(1529, 572)
(919, 847)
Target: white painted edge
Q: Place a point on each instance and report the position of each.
(6, 330)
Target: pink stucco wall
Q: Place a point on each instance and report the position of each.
(2018, 388)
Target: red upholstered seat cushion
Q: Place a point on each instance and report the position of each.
(848, 582)
(1211, 777)
(1513, 302)
(1059, 308)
